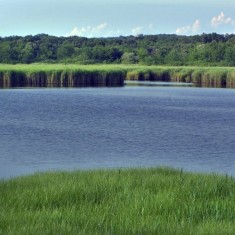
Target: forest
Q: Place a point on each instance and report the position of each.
(165, 49)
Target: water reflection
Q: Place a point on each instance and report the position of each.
(177, 84)
(150, 83)
(126, 83)
(63, 85)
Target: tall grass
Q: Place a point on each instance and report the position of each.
(111, 75)
(58, 75)
(134, 201)
(202, 76)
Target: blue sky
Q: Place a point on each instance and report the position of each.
(103, 18)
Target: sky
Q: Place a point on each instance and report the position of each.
(108, 18)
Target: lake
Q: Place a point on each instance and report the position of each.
(132, 126)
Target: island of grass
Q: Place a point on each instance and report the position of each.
(126, 201)
(72, 75)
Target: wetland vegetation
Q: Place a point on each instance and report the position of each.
(143, 57)
(49, 75)
(124, 201)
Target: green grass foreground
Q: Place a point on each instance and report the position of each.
(111, 75)
(131, 201)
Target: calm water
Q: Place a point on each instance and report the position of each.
(182, 127)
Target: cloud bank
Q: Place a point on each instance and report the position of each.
(189, 29)
(88, 31)
(221, 19)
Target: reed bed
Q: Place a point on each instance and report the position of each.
(58, 75)
(111, 75)
(201, 76)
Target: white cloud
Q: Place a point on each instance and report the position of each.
(88, 31)
(196, 26)
(101, 27)
(137, 30)
(221, 19)
(147, 29)
(189, 29)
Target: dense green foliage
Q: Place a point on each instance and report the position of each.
(206, 49)
(135, 201)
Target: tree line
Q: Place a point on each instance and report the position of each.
(205, 49)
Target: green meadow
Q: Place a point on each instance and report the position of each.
(111, 75)
(125, 201)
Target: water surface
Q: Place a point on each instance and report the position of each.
(132, 126)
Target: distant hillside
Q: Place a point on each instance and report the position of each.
(206, 49)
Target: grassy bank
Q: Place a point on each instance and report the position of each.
(47, 75)
(136, 201)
